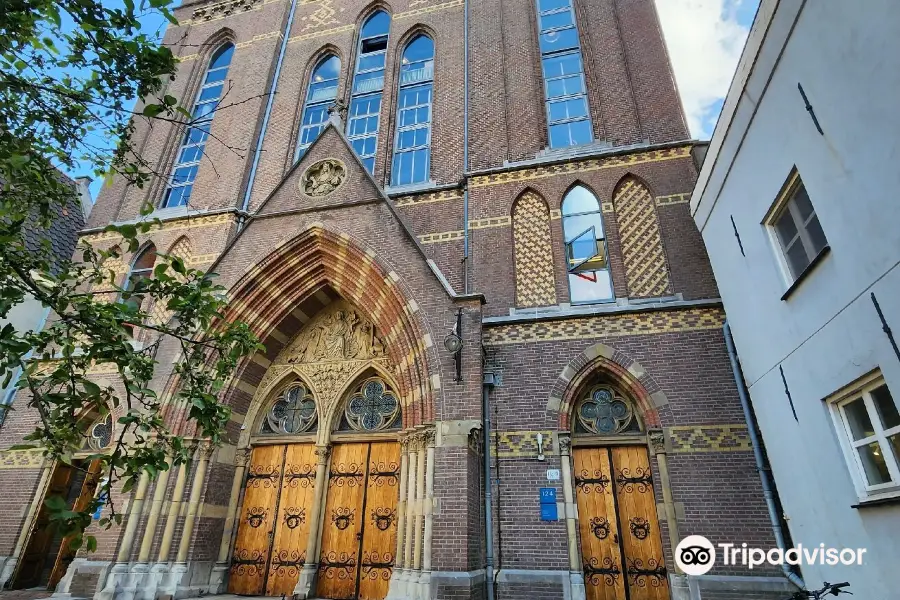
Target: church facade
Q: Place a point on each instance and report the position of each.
(461, 231)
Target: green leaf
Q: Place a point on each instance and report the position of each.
(152, 110)
(90, 387)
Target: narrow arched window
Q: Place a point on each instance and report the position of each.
(321, 93)
(586, 258)
(368, 85)
(566, 101)
(412, 147)
(141, 268)
(191, 151)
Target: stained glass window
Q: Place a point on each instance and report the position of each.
(372, 407)
(100, 434)
(604, 411)
(293, 412)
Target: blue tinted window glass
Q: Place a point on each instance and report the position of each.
(562, 39)
(556, 20)
(222, 58)
(378, 24)
(580, 132)
(545, 5)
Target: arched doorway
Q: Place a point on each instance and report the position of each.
(621, 547)
(322, 486)
(48, 553)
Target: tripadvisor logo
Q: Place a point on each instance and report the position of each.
(696, 555)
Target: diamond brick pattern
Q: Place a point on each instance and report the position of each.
(710, 438)
(642, 249)
(648, 323)
(533, 252)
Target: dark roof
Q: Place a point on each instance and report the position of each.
(67, 221)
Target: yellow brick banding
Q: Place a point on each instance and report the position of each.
(709, 438)
(583, 166)
(617, 325)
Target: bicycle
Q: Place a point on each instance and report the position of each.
(830, 588)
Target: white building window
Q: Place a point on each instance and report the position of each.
(796, 228)
(868, 424)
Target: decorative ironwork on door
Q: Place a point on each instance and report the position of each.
(621, 549)
(270, 548)
(360, 530)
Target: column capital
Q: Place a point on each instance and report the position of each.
(657, 439)
(565, 443)
(322, 454)
(242, 457)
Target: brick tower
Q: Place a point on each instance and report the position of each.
(421, 207)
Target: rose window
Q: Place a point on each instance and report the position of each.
(372, 407)
(293, 412)
(603, 411)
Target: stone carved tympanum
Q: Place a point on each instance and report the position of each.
(328, 351)
(322, 178)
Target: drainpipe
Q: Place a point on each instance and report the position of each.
(488, 520)
(761, 466)
(265, 124)
(466, 146)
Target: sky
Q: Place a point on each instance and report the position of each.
(704, 37)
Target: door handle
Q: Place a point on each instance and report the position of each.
(359, 536)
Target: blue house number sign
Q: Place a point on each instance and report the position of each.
(548, 504)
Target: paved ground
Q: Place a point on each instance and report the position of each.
(24, 594)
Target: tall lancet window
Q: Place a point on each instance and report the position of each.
(368, 85)
(191, 150)
(322, 91)
(567, 107)
(412, 148)
(586, 257)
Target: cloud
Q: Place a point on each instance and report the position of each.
(705, 39)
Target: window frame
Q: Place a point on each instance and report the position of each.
(861, 389)
(309, 104)
(203, 124)
(577, 50)
(602, 246)
(428, 126)
(785, 206)
(359, 96)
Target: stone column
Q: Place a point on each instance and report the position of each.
(657, 441)
(304, 587)
(146, 589)
(165, 543)
(217, 577)
(576, 577)
(416, 532)
(179, 568)
(409, 576)
(121, 583)
(428, 507)
(397, 573)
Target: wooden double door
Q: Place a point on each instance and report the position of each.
(48, 553)
(359, 521)
(621, 546)
(359, 532)
(273, 531)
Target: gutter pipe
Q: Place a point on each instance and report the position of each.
(270, 101)
(765, 474)
(466, 146)
(488, 383)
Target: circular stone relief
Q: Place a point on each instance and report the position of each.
(322, 178)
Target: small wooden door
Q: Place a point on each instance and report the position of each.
(359, 536)
(66, 553)
(252, 548)
(621, 546)
(36, 555)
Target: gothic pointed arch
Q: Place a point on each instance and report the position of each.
(533, 251)
(603, 367)
(299, 270)
(643, 253)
